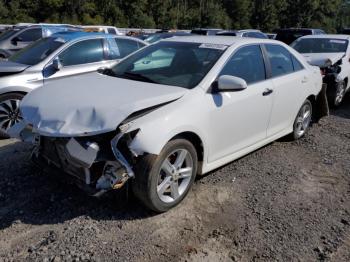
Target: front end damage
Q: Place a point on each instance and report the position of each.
(97, 164)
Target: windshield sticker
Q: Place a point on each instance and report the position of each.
(337, 41)
(213, 46)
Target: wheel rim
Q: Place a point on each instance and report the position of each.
(9, 113)
(175, 175)
(339, 96)
(303, 120)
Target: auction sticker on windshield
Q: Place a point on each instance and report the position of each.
(213, 46)
(337, 41)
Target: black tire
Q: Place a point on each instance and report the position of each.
(4, 97)
(147, 173)
(332, 94)
(295, 135)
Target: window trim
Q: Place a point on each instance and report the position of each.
(235, 51)
(269, 62)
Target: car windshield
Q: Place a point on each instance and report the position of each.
(320, 45)
(170, 63)
(38, 51)
(7, 34)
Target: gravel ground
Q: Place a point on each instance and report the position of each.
(289, 201)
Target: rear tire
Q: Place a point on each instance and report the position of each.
(302, 121)
(9, 112)
(162, 182)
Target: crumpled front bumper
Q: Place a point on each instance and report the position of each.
(95, 163)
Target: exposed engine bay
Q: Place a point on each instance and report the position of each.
(97, 163)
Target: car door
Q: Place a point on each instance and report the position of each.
(24, 38)
(240, 119)
(289, 78)
(81, 57)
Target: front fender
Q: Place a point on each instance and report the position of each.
(148, 140)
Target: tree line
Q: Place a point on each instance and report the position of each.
(182, 14)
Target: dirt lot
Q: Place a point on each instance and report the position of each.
(287, 201)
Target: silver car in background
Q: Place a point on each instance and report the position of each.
(56, 57)
(18, 37)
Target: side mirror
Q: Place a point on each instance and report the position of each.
(56, 63)
(228, 83)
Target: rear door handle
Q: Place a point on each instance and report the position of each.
(267, 92)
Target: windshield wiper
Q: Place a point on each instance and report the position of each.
(135, 76)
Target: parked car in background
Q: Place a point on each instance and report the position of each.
(332, 54)
(19, 37)
(345, 31)
(215, 100)
(205, 31)
(289, 35)
(56, 57)
(243, 33)
(101, 29)
(5, 27)
(271, 35)
(159, 36)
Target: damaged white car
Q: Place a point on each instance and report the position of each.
(172, 110)
(332, 54)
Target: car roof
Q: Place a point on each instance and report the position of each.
(330, 36)
(219, 40)
(68, 36)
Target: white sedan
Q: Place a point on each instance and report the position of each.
(195, 104)
(332, 54)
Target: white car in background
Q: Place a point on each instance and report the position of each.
(332, 54)
(214, 100)
(101, 29)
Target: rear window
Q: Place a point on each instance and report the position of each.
(320, 45)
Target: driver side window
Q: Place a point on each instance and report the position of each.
(247, 63)
(83, 52)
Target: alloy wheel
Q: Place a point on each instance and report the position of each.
(9, 113)
(303, 120)
(175, 175)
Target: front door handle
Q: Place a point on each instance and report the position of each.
(267, 92)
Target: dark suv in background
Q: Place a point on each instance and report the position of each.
(289, 35)
(205, 31)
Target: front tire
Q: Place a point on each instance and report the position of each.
(162, 182)
(9, 112)
(303, 121)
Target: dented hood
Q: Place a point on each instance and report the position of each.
(320, 59)
(91, 104)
